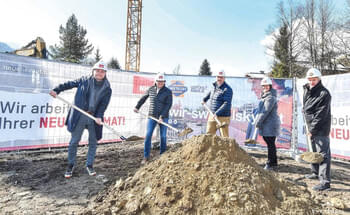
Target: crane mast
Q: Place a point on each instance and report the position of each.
(133, 35)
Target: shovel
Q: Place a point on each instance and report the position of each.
(92, 117)
(219, 124)
(180, 133)
(310, 156)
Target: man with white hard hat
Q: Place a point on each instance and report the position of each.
(161, 100)
(93, 95)
(317, 111)
(220, 100)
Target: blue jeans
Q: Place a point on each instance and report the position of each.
(83, 122)
(151, 124)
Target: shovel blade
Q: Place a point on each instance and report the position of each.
(185, 132)
(312, 157)
(133, 138)
(250, 142)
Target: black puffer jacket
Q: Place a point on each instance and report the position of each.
(159, 104)
(317, 109)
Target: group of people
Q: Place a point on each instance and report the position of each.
(94, 93)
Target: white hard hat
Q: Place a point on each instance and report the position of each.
(160, 77)
(221, 73)
(313, 73)
(100, 65)
(266, 81)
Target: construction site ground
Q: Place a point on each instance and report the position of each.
(33, 182)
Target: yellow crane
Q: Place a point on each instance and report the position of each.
(133, 36)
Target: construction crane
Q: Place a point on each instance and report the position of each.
(133, 36)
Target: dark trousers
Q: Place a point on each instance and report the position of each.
(323, 170)
(271, 150)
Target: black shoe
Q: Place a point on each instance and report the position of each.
(270, 167)
(311, 176)
(322, 187)
(69, 171)
(90, 170)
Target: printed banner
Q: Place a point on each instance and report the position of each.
(189, 92)
(30, 118)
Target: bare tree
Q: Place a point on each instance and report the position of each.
(311, 34)
(291, 17)
(320, 28)
(327, 28)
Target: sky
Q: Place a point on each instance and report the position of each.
(228, 33)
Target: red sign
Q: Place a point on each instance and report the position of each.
(141, 84)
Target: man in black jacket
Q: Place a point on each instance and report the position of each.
(161, 100)
(317, 111)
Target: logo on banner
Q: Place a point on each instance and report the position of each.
(198, 89)
(178, 88)
(141, 84)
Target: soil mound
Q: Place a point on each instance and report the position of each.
(208, 175)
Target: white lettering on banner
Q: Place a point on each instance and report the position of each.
(194, 114)
(243, 117)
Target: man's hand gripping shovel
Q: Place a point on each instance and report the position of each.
(92, 117)
(219, 124)
(179, 133)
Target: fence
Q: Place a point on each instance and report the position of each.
(30, 118)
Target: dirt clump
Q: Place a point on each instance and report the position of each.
(208, 175)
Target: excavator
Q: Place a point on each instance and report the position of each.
(36, 48)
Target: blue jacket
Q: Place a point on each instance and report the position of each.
(81, 100)
(159, 104)
(220, 99)
(267, 119)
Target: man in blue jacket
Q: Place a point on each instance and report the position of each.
(93, 95)
(161, 100)
(220, 104)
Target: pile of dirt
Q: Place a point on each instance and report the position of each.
(208, 175)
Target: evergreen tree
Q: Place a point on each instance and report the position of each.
(205, 68)
(280, 66)
(73, 46)
(98, 56)
(113, 64)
